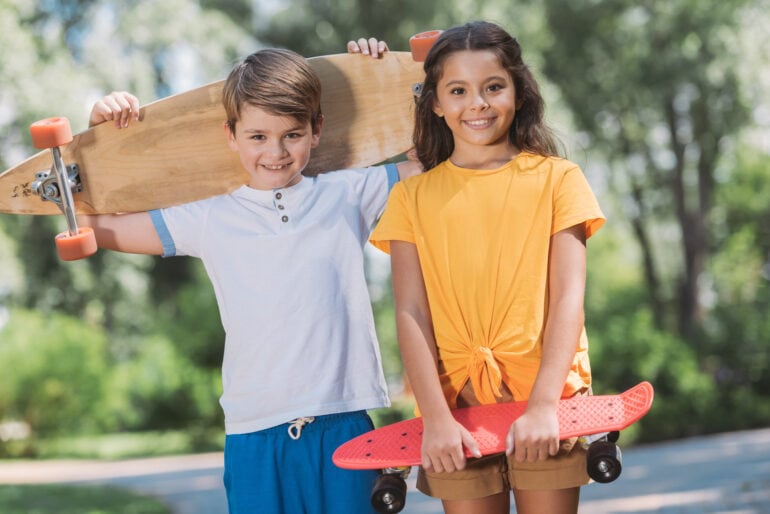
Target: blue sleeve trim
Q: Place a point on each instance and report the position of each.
(169, 249)
(392, 170)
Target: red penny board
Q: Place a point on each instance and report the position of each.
(399, 444)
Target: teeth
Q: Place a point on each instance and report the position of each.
(477, 123)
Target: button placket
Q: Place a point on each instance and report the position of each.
(281, 207)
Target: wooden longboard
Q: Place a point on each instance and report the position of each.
(399, 444)
(177, 153)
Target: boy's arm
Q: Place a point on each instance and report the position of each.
(129, 233)
(410, 167)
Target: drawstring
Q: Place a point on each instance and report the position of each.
(295, 426)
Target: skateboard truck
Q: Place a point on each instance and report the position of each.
(58, 184)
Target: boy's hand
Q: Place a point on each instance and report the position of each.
(119, 106)
(371, 46)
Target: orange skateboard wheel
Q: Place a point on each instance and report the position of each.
(420, 44)
(50, 133)
(78, 246)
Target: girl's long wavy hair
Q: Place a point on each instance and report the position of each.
(432, 137)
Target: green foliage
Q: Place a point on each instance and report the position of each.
(189, 316)
(122, 342)
(43, 499)
(628, 349)
(161, 389)
(53, 368)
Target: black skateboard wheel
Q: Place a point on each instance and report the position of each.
(389, 494)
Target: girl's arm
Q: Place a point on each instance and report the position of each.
(443, 437)
(535, 435)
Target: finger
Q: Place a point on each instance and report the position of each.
(383, 47)
(363, 45)
(125, 103)
(509, 446)
(553, 449)
(520, 453)
(353, 48)
(374, 47)
(448, 463)
(470, 443)
(134, 105)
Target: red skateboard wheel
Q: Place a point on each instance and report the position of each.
(78, 246)
(50, 133)
(420, 44)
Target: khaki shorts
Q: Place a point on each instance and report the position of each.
(497, 473)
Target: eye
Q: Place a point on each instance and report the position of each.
(294, 135)
(457, 91)
(257, 137)
(495, 87)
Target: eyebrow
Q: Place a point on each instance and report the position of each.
(488, 79)
(296, 128)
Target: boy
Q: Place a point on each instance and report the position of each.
(285, 256)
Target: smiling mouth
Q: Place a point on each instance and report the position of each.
(486, 122)
(275, 167)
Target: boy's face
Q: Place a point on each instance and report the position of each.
(273, 149)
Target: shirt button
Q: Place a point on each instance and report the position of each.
(280, 207)
(284, 218)
(278, 195)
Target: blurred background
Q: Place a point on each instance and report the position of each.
(664, 104)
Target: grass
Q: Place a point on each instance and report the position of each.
(128, 445)
(61, 499)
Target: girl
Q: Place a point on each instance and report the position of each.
(488, 262)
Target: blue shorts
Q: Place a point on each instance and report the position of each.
(270, 472)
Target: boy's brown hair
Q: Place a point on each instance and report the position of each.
(278, 81)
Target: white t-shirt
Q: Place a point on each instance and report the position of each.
(287, 267)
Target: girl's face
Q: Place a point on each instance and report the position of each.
(477, 98)
(273, 149)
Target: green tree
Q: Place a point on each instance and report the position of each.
(655, 88)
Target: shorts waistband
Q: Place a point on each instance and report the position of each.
(323, 420)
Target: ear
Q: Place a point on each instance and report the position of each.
(437, 110)
(316, 139)
(230, 137)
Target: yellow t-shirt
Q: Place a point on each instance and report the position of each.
(483, 238)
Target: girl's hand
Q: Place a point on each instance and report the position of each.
(371, 46)
(534, 436)
(118, 106)
(443, 444)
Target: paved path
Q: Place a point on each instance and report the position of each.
(723, 474)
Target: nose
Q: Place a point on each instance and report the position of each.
(277, 148)
(479, 102)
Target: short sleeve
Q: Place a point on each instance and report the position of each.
(185, 225)
(575, 203)
(396, 222)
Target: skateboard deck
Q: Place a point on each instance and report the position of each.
(399, 444)
(177, 153)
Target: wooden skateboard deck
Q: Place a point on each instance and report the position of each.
(399, 444)
(177, 153)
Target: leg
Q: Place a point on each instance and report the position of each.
(554, 501)
(496, 504)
